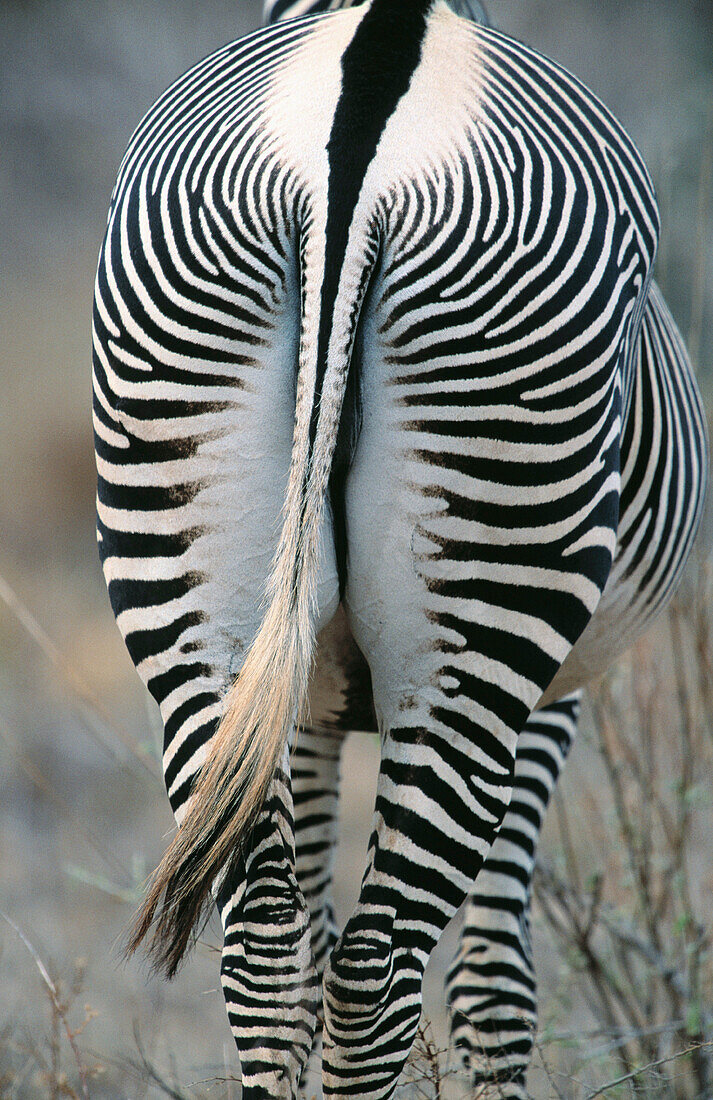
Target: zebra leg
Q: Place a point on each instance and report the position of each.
(435, 809)
(315, 790)
(189, 507)
(278, 912)
(466, 593)
(491, 984)
(339, 701)
(269, 979)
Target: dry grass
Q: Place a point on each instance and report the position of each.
(635, 934)
(41, 1058)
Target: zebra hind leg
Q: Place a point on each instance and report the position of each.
(315, 790)
(268, 973)
(491, 988)
(277, 904)
(417, 876)
(339, 701)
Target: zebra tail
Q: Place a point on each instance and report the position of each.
(269, 694)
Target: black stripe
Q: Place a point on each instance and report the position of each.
(377, 68)
(284, 5)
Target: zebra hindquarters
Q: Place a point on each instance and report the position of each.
(481, 512)
(193, 457)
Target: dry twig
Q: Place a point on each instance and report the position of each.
(56, 1003)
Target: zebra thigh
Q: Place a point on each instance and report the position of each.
(491, 987)
(190, 499)
(463, 621)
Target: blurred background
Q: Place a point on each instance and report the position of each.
(83, 815)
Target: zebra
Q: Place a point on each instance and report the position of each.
(273, 10)
(390, 416)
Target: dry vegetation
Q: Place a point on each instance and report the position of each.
(625, 889)
(638, 932)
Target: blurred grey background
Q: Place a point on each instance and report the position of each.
(81, 818)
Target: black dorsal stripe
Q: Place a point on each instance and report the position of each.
(377, 68)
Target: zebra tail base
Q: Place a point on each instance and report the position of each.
(261, 708)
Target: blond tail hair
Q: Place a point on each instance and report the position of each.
(269, 693)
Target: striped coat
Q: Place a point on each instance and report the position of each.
(382, 381)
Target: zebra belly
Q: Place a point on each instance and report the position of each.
(611, 630)
(664, 462)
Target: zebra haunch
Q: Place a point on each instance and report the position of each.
(389, 416)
